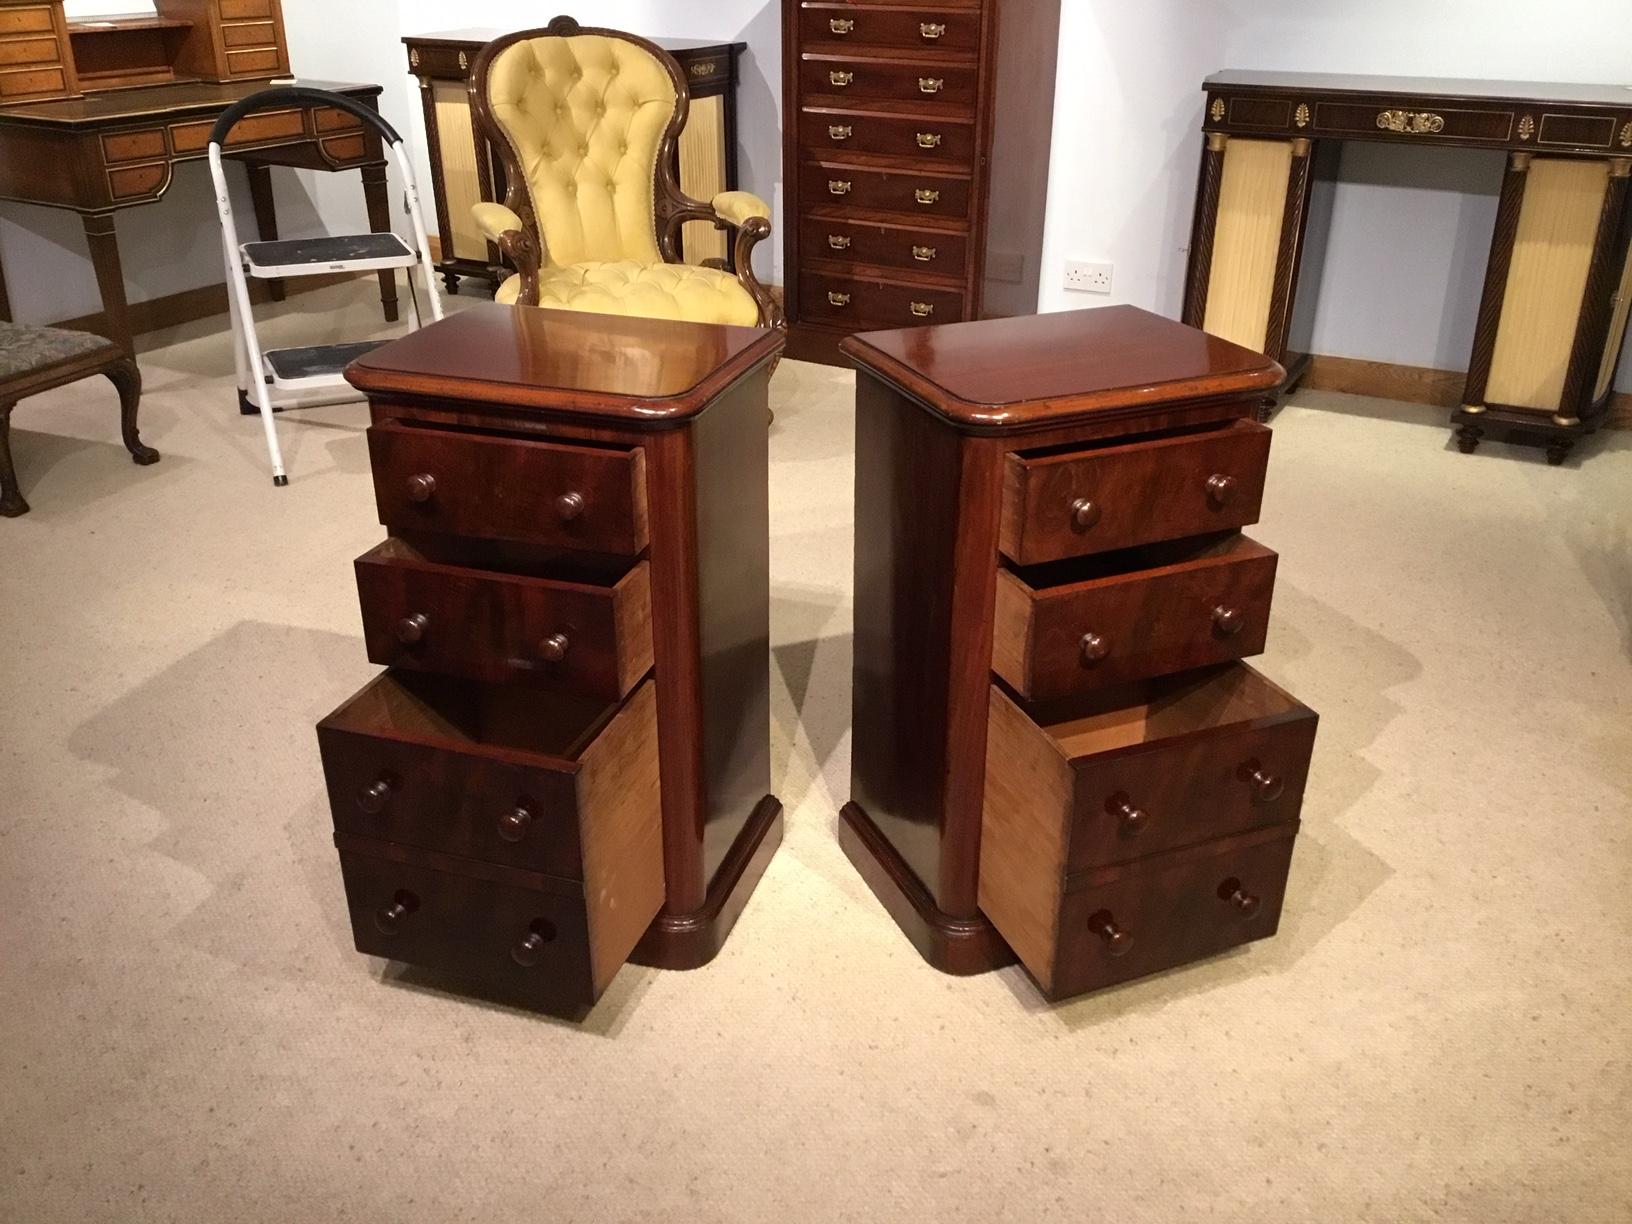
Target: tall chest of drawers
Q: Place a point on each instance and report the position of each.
(1058, 755)
(916, 162)
(567, 764)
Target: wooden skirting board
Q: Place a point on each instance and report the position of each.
(1416, 385)
(190, 305)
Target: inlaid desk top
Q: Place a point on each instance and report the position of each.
(193, 98)
(1516, 115)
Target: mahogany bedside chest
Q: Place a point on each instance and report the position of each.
(568, 763)
(1057, 753)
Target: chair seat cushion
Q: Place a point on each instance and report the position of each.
(24, 349)
(649, 291)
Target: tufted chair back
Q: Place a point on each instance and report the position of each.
(586, 116)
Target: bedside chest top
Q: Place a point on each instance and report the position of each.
(1045, 370)
(639, 371)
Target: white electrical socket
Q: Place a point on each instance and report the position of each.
(1083, 277)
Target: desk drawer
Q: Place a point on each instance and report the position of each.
(1084, 624)
(1075, 502)
(923, 193)
(239, 10)
(30, 51)
(259, 61)
(917, 26)
(872, 77)
(145, 145)
(574, 497)
(32, 83)
(252, 129)
(509, 776)
(35, 19)
(933, 138)
(587, 637)
(250, 34)
(890, 246)
(861, 304)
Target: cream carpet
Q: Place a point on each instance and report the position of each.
(1442, 1031)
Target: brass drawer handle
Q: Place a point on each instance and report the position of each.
(841, 79)
(931, 85)
(923, 309)
(926, 196)
(924, 254)
(839, 187)
(840, 131)
(838, 299)
(841, 25)
(929, 140)
(838, 242)
(932, 30)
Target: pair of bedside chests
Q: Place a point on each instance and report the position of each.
(1058, 756)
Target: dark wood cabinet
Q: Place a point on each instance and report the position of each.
(899, 121)
(1057, 752)
(567, 765)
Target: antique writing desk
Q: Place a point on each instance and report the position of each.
(1554, 311)
(118, 149)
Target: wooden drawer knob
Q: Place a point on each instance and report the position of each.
(1134, 820)
(1118, 942)
(569, 506)
(421, 487)
(389, 920)
(1245, 903)
(1094, 648)
(513, 825)
(411, 629)
(1085, 513)
(1228, 620)
(1220, 489)
(372, 799)
(554, 648)
(529, 950)
(1266, 787)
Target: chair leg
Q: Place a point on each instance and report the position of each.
(128, 380)
(11, 498)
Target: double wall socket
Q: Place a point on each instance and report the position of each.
(1088, 277)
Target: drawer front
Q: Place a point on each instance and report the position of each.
(29, 51)
(131, 182)
(258, 62)
(861, 305)
(573, 497)
(860, 76)
(1120, 925)
(238, 10)
(891, 246)
(500, 628)
(1053, 642)
(1374, 121)
(252, 129)
(32, 83)
(957, 29)
(36, 19)
(923, 194)
(250, 34)
(328, 119)
(133, 146)
(342, 149)
(470, 926)
(937, 139)
(1091, 501)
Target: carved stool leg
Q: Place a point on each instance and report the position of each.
(11, 498)
(128, 380)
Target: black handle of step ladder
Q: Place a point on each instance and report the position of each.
(285, 95)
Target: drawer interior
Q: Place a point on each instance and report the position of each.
(1147, 561)
(481, 558)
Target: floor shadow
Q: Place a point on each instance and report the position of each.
(59, 494)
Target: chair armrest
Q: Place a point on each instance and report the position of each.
(494, 220)
(738, 207)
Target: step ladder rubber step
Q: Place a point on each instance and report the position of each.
(317, 363)
(336, 253)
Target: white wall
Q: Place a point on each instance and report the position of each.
(1410, 231)
(174, 245)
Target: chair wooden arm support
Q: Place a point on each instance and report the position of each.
(750, 217)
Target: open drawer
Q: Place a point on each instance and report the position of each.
(435, 782)
(1078, 787)
(590, 635)
(1090, 622)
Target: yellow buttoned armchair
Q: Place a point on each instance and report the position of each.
(586, 122)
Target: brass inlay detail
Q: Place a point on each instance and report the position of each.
(924, 254)
(1301, 117)
(1473, 409)
(929, 140)
(1412, 123)
(1626, 135)
(1620, 167)
(926, 196)
(840, 131)
(464, 62)
(1527, 128)
(1566, 422)
(413, 62)
(838, 299)
(705, 68)
(930, 85)
(839, 187)
(1301, 146)
(1519, 162)
(1216, 141)
(923, 309)
(1217, 110)
(841, 79)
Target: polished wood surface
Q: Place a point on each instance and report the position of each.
(939, 500)
(1052, 369)
(645, 372)
(1546, 341)
(914, 128)
(116, 149)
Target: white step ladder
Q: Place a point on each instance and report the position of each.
(270, 381)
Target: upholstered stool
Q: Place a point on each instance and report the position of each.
(36, 359)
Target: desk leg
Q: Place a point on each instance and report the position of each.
(266, 215)
(376, 194)
(110, 278)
